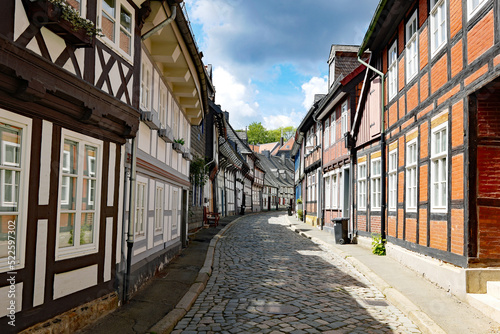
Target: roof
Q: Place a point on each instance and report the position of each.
(385, 20)
(268, 147)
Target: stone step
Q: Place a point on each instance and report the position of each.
(485, 303)
(493, 288)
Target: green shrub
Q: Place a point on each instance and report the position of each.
(300, 213)
(378, 244)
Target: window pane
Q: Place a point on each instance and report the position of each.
(108, 27)
(87, 228)
(72, 148)
(68, 193)
(109, 6)
(125, 20)
(11, 145)
(89, 167)
(4, 234)
(66, 230)
(75, 4)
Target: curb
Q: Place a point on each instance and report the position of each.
(396, 298)
(168, 322)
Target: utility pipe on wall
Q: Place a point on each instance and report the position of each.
(131, 218)
(154, 30)
(382, 149)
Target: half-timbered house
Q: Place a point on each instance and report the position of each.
(67, 107)
(173, 97)
(430, 184)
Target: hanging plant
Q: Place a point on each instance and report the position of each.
(70, 14)
(179, 141)
(197, 172)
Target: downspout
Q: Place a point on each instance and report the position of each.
(173, 10)
(131, 218)
(320, 176)
(382, 149)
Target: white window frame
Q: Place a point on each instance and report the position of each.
(83, 7)
(159, 200)
(376, 183)
(115, 44)
(471, 12)
(327, 191)
(80, 250)
(411, 184)
(362, 186)
(438, 184)
(141, 210)
(344, 118)
(162, 106)
(326, 137)
(393, 179)
(335, 196)
(392, 58)
(412, 51)
(438, 26)
(146, 83)
(333, 129)
(25, 125)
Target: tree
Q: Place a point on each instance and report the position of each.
(257, 134)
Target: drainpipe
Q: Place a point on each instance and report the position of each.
(320, 177)
(131, 218)
(382, 149)
(173, 10)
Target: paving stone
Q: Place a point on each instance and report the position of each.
(262, 262)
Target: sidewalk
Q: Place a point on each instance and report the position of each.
(431, 308)
(174, 289)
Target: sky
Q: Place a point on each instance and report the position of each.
(269, 57)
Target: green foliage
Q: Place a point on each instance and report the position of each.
(71, 15)
(179, 141)
(300, 213)
(299, 200)
(378, 244)
(197, 173)
(258, 134)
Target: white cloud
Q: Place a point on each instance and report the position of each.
(276, 121)
(234, 97)
(314, 86)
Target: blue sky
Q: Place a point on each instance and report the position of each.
(270, 57)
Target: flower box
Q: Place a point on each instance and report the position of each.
(177, 147)
(46, 14)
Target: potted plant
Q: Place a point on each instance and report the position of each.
(177, 145)
(63, 20)
(299, 204)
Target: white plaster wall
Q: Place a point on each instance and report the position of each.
(74, 281)
(40, 262)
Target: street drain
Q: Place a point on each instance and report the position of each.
(277, 309)
(376, 302)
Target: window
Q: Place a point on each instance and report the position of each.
(318, 134)
(344, 118)
(14, 155)
(438, 25)
(393, 70)
(439, 168)
(159, 209)
(309, 199)
(116, 24)
(332, 129)
(140, 209)
(327, 133)
(411, 48)
(162, 106)
(473, 6)
(77, 5)
(78, 195)
(334, 192)
(327, 192)
(313, 187)
(145, 87)
(376, 182)
(393, 179)
(362, 186)
(411, 175)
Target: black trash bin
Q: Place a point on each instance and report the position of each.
(289, 210)
(242, 210)
(340, 230)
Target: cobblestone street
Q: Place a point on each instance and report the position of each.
(269, 279)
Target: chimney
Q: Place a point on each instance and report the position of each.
(283, 158)
(281, 141)
(226, 116)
